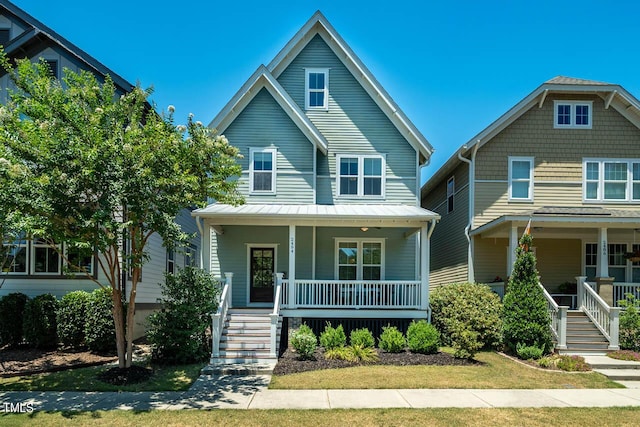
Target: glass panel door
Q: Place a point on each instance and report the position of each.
(262, 269)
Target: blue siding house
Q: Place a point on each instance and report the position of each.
(332, 227)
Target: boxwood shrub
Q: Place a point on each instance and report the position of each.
(39, 325)
(392, 340)
(423, 337)
(362, 338)
(99, 328)
(72, 311)
(333, 337)
(11, 318)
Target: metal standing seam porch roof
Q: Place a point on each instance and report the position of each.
(360, 214)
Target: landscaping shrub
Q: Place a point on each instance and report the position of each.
(178, 332)
(630, 323)
(333, 337)
(362, 337)
(573, 363)
(99, 328)
(39, 325)
(468, 317)
(72, 311)
(423, 337)
(392, 340)
(528, 352)
(304, 342)
(11, 318)
(526, 320)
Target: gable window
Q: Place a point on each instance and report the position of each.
(451, 190)
(358, 259)
(52, 64)
(611, 180)
(5, 36)
(262, 174)
(316, 94)
(360, 176)
(521, 179)
(572, 114)
(171, 261)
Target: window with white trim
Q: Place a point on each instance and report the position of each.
(618, 262)
(171, 261)
(262, 170)
(360, 259)
(316, 94)
(616, 180)
(521, 179)
(42, 257)
(46, 259)
(572, 114)
(191, 256)
(79, 259)
(451, 190)
(15, 257)
(590, 260)
(360, 176)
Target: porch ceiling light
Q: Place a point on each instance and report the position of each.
(363, 229)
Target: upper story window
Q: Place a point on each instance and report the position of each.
(171, 261)
(615, 180)
(572, 114)
(316, 94)
(5, 36)
(262, 172)
(521, 179)
(360, 176)
(451, 190)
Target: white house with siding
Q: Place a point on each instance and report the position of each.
(332, 228)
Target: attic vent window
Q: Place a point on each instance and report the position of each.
(572, 114)
(316, 89)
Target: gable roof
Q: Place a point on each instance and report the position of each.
(262, 78)
(613, 95)
(318, 25)
(38, 33)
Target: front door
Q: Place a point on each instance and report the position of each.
(261, 274)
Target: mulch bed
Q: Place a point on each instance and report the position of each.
(289, 363)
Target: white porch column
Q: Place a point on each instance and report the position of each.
(602, 267)
(513, 244)
(424, 268)
(292, 266)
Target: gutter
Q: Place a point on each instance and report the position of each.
(472, 176)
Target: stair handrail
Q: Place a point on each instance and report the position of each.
(558, 314)
(275, 315)
(218, 318)
(604, 317)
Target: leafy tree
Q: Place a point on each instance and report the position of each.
(526, 318)
(102, 170)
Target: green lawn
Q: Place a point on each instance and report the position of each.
(165, 378)
(449, 417)
(496, 372)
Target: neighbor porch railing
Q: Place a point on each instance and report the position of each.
(605, 318)
(558, 316)
(218, 318)
(357, 294)
(620, 290)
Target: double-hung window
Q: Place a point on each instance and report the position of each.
(42, 257)
(46, 259)
(521, 179)
(262, 172)
(361, 176)
(316, 95)
(15, 257)
(572, 114)
(171, 261)
(79, 259)
(359, 259)
(615, 180)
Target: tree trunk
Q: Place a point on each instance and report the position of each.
(131, 309)
(118, 317)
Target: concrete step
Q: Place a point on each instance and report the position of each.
(605, 362)
(263, 367)
(620, 374)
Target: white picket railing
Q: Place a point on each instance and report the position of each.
(374, 294)
(218, 318)
(275, 316)
(558, 316)
(604, 317)
(620, 290)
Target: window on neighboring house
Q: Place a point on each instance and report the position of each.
(5, 36)
(359, 259)
(572, 114)
(590, 260)
(521, 178)
(360, 176)
(317, 88)
(171, 262)
(617, 262)
(262, 173)
(611, 180)
(451, 190)
(46, 259)
(191, 256)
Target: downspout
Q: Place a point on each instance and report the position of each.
(472, 187)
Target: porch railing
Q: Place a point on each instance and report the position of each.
(218, 318)
(620, 291)
(275, 316)
(604, 317)
(558, 316)
(367, 294)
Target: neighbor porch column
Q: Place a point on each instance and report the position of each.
(424, 267)
(292, 266)
(602, 267)
(513, 244)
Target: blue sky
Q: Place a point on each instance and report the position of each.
(452, 66)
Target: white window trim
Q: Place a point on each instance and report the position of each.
(26, 245)
(600, 193)
(171, 261)
(74, 272)
(324, 71)
(359, 265)
(572, 119)
(274, 171)
(361, 194)
(531, 164)
(32, 260)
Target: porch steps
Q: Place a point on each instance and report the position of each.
(583, 337)
(614, 369)
(245, 343)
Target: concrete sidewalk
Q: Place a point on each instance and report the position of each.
(250, 392)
